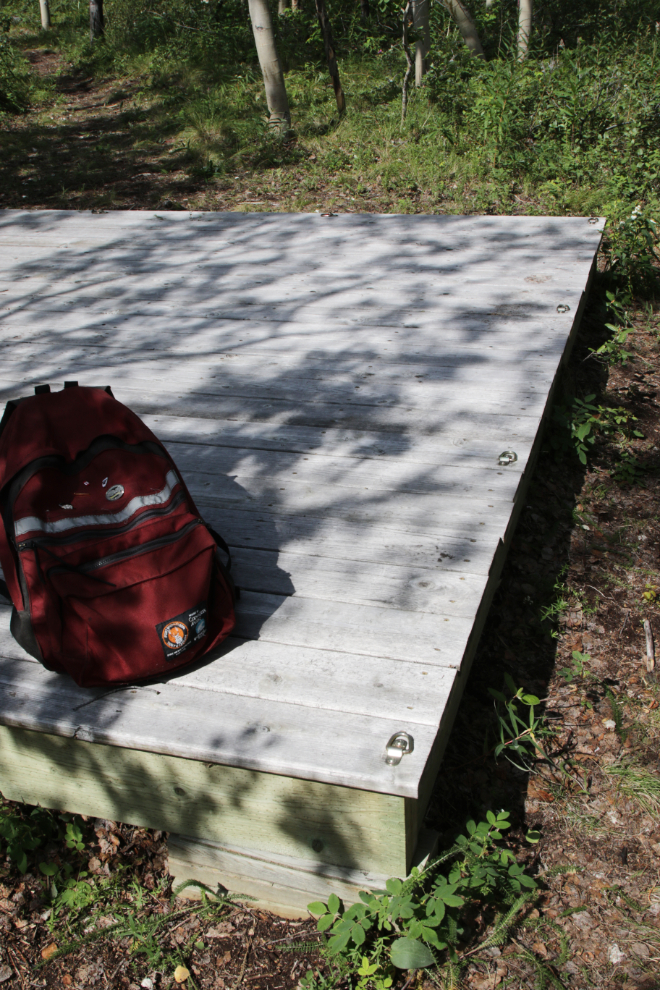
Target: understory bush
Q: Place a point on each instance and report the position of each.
(14, 80)
(418, 922)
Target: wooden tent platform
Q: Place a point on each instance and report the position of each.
(336, 392)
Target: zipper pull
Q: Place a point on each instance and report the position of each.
(26, 545)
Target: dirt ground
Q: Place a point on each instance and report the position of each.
(584, 556)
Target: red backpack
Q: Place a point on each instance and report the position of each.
(113, 575)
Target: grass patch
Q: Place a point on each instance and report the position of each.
(637, 783)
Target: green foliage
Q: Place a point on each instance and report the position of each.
(520, 729)
(633, 250)
(628, 470)
(577, 667)
(406, 925)
(637, 782)
(589, 420)
(22, 833)
(91, 899)
(14, 80)
(613, 350)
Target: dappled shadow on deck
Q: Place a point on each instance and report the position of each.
(162, 311)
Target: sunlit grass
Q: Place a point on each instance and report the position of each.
(637, 783)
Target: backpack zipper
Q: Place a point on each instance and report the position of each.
(113, 558)
(98, 534)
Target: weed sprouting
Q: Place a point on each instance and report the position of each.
(23, 834)
(412, 922)
(589, 420)
(577, 666)
(637, 782)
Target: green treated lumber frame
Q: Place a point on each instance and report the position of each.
(313, 822)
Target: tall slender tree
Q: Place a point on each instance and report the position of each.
(271, 67)
(96, 20)
(466, 25)
(333, 68)
(524, 26)
(420, 12)
(45, 15)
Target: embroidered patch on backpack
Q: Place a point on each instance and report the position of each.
(183, 631)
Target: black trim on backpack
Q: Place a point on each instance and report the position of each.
(224, 568)
(4, 591)
(20, 626)
(221, 543)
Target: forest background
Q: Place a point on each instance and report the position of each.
(571, 128)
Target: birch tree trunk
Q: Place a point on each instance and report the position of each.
(271, 68)
(409, 62)
(524, 26)
(465, 25)
(281, 7)
(96, 22)
(420, 12)
(333, 68)
(45, 15)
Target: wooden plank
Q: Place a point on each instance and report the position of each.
(453, 445)
(209, 465)
(337, 537)
(410, 589)
(344, 682)
(284, 886)
(420, 637)
(271, 736)
(280, 884)
(387, 291)
(452, 398)
(317, 823)
(287, 355)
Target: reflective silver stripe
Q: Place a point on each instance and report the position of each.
(29, 524)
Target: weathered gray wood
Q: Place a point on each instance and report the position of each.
(370, 399)
(340, 421)
(345, 682)
(212, 727)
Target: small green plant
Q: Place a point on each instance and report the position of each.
(628, 470)
(23, 833)
(617, 714)
(589, 420)
(613, 350)
(520, 731)
(576, 668)
(409, 923)
(148, 935)
(632, 253)
(650, 594)
(370, 976)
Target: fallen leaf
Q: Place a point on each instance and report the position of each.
(181, 974)
(49, 951)
(67, 979)
(6, 973)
